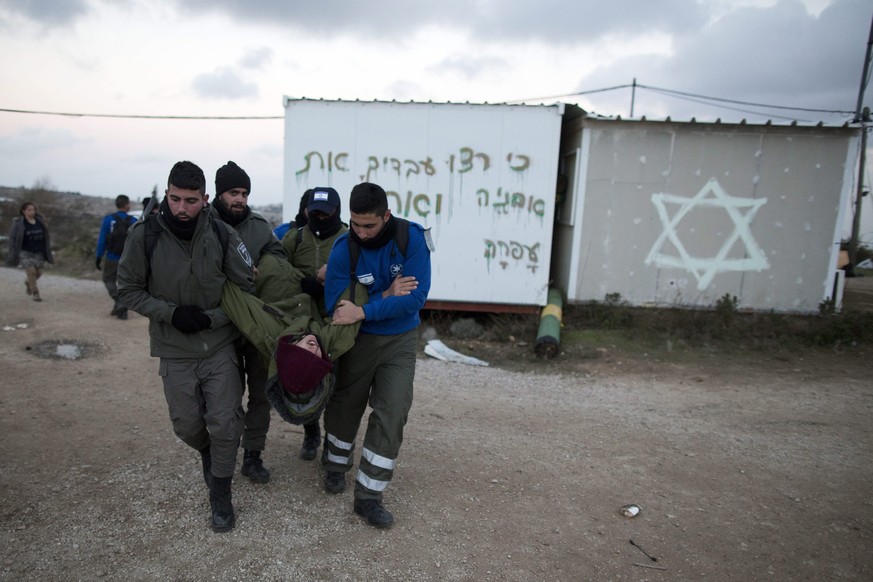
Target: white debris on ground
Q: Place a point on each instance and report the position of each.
(437, 349)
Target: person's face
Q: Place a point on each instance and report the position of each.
(236, 200)
(310, 344)
(29, 211)
(185, 204)
(366, 226)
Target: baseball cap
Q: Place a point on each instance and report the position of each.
(325, 200)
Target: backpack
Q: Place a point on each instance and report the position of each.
(401, 240)
(153, 230)
(118, 234)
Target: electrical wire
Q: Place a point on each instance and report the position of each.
(128, 116)
(568, 94)
(701, 99)
(703, 102)
(693, 97)
(736, 102)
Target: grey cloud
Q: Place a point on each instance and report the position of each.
(50, 13)
(223, 84)
(257, 58)
(558, 22)
(779, 55)
(552, 21)
(471, 66)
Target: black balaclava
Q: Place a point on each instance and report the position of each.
(325, 227)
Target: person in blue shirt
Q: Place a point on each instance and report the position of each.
(110, 243)
(380, 368)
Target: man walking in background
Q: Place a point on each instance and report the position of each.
(110, 242)
(172, 271)
(232, 190)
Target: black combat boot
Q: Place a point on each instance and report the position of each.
(311, 440)
(335, 482)
(221, 502)
(206, 459)
(254, 468)
(372, 510)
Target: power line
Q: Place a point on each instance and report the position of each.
(694, 97)
(127, 116)
(569, 94)
(703, 102)
(702, 99)
(736, 102)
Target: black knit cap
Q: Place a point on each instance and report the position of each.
(230, 176)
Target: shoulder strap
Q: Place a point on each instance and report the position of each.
(293, 241)
(222, 234)
(354, 251)
(152, 231)
(401, 235)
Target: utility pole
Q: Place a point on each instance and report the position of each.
(634, 93)
(862, 116)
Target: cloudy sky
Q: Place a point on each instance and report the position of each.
(238, 58)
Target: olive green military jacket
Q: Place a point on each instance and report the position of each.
(256, 233)
(183, 273)
(311, 254)
(281, 308)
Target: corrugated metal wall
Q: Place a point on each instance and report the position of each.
(681, 214)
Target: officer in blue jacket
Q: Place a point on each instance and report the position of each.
(380, 368)
(110, 242)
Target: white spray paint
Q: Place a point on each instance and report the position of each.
(741, 211)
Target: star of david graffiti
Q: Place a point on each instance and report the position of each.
(741, 212)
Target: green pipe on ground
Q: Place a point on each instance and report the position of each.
(549, 332)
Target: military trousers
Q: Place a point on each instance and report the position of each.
(109, 274)
(204, 398)
(379, 370)
(257, 419)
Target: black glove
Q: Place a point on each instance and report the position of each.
(190, 319)
(99, 260)
(312, 287)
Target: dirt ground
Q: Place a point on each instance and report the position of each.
(745, 469)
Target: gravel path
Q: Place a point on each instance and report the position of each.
(742, 472)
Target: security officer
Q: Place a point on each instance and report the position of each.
(172, 271)
(380, 368)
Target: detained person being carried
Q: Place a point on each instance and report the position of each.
(298, 345)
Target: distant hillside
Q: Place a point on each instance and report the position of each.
(74, 221)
